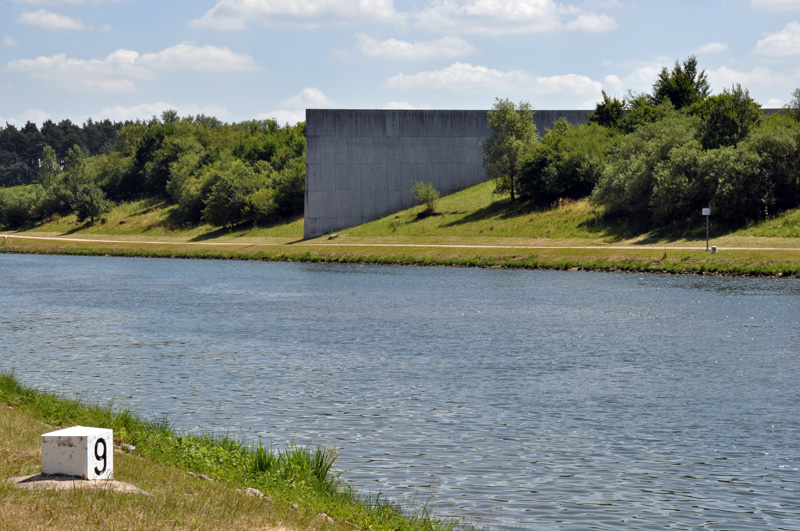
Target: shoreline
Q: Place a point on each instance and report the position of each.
(196, 481)
(779, 262)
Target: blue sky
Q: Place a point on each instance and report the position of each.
(244, 59)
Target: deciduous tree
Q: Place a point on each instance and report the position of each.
(684, 85)
(512, 133)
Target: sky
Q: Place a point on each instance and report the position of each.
(239, 60)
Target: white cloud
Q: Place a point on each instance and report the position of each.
(119, 71)
(464, 77)
(712, 47)
(613, 85)
(776, 5)
(403, 105)
(112, 74)
(30, 115)
(146, 111)
(642, 74)
(284, 116)
(294, 109)
(571, 84)
(208, 58)
(9, 41)
(35, 115)
(782, 43)
(239, 14)
(592, 23)
(49, 20)
(726, 77)
(393, 49)
(501, 17)
(308, 97)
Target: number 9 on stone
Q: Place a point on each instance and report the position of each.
(101, 456)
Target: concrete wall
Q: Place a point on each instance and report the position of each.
(362, 164)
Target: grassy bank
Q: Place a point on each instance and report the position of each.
(168, 465)
(471, 228)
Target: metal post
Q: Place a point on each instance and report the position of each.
(706, 233)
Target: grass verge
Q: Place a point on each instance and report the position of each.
(471, 228)
(169, 465)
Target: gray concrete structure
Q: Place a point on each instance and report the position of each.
(361, 164)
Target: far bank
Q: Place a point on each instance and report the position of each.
(471, 228)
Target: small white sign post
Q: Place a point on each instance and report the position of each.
(79, 451)
(706, 213)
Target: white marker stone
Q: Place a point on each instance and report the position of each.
(79, 451)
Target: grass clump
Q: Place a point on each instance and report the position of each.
(172, 466)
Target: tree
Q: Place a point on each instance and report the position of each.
(683, 86)
(90, 202)
(511, 134)
(608, 112)
(50, 169)
(728, 118)
(75, 170)
(793, 107)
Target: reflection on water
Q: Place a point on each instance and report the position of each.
(534, 399)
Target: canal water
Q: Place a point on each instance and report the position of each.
(518, 399)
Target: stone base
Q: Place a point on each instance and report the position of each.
(58, 482)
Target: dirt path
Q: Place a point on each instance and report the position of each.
(417, 245)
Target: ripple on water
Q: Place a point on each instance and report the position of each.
(520, 399)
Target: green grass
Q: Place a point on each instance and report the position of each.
(153, 217)
(289, 475)
(477, 213)
(482, 229)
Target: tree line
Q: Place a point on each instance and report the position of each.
(656, 158)
(214, 172)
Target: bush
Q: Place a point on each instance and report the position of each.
(727, 118)
(426, 194)
(744, 191)
(227, 201)
(18, 204)
(643, 162)
(777, 143)
(567, 163)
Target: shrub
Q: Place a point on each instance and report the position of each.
(642, 162)
(728, 117)
(744, 191)
(17, 204)
(426, 194)
(567, 163)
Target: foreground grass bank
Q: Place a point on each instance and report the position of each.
(168, 465)
(472, 228)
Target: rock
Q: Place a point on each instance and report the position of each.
(324, 517)
(255, 493)
(294, 507)
(126, 447)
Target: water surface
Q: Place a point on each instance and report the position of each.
(535, 399)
